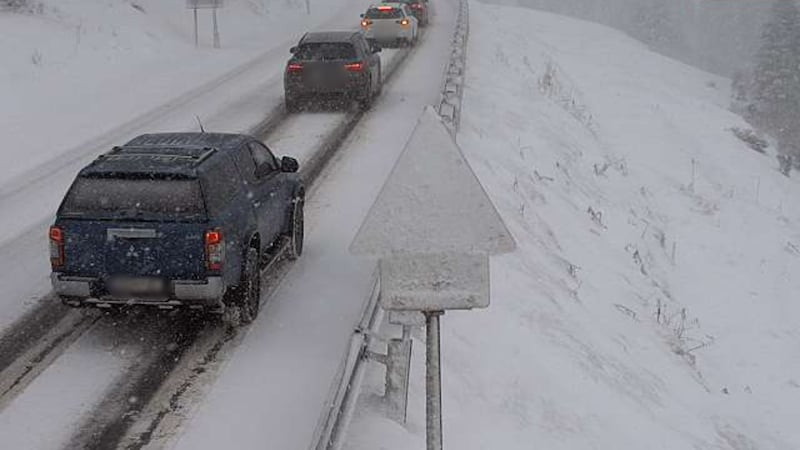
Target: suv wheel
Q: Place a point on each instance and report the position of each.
(379, 90)
(296, 230)
(245, 299)
(366, 101)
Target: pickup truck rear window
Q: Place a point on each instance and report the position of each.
(324, 51)
(134, 199)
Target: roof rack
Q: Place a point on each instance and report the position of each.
(197, 159)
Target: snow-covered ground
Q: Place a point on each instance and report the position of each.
(652, 300)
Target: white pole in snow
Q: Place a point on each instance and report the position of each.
(216, 28)
(308, 6)
(196, 38)
(433, 381)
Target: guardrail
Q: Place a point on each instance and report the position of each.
(453, 81)
(344, 391)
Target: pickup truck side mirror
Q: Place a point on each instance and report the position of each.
(289, 164)
(361, 15)
(293, 50)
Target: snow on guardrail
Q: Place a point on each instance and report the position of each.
(344, 390)
(453, 84)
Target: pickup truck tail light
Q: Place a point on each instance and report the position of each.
(57, 256)
(215, 249)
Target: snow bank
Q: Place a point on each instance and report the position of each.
(78, 68)
(651, 303)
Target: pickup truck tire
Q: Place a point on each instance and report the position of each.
(296, 230)
(246, 297)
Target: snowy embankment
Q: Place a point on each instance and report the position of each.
(78, 68)
(651, 302)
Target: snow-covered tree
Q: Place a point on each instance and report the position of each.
(655, 22)
(776, 78)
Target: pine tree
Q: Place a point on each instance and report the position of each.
(654, 22)
(776, 96)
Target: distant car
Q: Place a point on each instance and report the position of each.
(390, 23)
(338, 63)
(420, 10)
(176, 220)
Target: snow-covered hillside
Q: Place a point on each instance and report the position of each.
(652, 302)
(78, 68)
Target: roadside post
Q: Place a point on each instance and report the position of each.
(194, 5)
(433, 228)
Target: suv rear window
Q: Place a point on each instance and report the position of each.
(384, 13)
(322, 51)
(135, 198)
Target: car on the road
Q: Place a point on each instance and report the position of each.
(420, 10)
(333, 63)
(390, 23)
(174, 220)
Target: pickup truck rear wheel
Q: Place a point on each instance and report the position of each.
(246, 298)
(297, 231)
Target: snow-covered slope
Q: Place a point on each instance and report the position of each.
(652, 302)
(78, 68)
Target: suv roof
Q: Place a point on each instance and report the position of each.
(163, 154)
(329, 36)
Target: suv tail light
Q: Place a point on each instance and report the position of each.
(294, 68)
(355, 67)
(57, 256)
(215, 249)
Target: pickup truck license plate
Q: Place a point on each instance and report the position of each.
(136, 285)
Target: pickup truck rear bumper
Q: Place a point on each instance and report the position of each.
(183, 292)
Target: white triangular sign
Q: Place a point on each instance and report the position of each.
(432, 202)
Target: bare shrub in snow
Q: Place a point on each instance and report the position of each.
(596, 216)
(750, 138)
(36, 58)
(555, 85)
(683, 331)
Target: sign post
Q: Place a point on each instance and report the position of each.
(206, 4)
(433, 227)
(433, 381)
(196, 36)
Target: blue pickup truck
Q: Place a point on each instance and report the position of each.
(177, 220)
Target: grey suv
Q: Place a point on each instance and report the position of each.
(340, 63)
